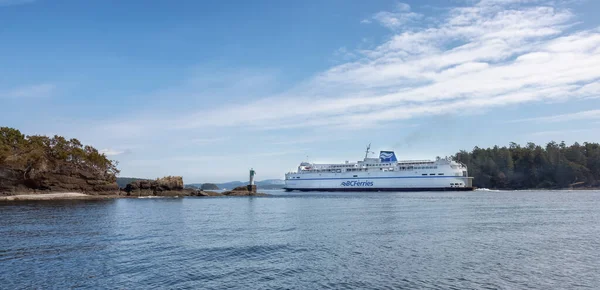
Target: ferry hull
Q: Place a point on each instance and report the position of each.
(385, 173)
(384, 189)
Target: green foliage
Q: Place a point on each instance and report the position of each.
(40, 152)
(209, 186)
(534, 166)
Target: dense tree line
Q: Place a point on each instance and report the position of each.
(533, 166)
(42, 153)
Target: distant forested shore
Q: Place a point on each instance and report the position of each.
(553, 166)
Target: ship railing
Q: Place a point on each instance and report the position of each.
(415, 161)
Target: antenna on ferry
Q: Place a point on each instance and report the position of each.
(368, 151)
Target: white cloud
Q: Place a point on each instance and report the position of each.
(32, 91)
(403, 7)
(343, 54)
(583, 115)
(560, 132)
(396, 19)
(473, 58)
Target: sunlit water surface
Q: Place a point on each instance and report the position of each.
(449, 240)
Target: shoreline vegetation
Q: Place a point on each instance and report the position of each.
(553, 166)
(49, 168)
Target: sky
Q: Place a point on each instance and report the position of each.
(209, 89)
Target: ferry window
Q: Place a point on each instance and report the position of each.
(431, 173)
(440, 174)
(355, 175)
(424, 174)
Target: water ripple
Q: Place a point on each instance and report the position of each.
(476, 240)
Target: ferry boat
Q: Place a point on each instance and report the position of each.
(385, 173)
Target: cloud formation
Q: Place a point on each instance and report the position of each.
(398, 18)
(583, 115)
(491, 54)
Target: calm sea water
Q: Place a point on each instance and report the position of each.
(459, 240)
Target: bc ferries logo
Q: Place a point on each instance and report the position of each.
(387, 156)
(357, 183)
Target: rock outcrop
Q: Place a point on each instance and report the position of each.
(166, 186)
(249, 190)
(40, 164)
(238, 191)
(204, 193)
(61, 179)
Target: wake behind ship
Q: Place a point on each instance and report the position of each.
(385, 173)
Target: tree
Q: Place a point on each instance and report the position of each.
(29, 153)
(533, 166)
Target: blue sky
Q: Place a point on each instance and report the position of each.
(208, 89)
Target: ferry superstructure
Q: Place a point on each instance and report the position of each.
(385, 173)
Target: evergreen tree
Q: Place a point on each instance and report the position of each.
(514, 167)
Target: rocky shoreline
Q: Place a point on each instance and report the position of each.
(249, 190)
(162, 187)
(52, 196)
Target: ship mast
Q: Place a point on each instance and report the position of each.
(368, 151)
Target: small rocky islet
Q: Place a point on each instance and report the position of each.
(40, 165)
(174, 186)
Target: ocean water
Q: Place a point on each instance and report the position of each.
(420, 240)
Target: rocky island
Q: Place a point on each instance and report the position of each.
(41, 167)
(40, 164)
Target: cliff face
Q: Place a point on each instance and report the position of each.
(61, 179)
(42, 164)
(166, 186)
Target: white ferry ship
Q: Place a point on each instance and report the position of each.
(385, 173)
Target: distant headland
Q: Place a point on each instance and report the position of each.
(38, 165)
(553, 166)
